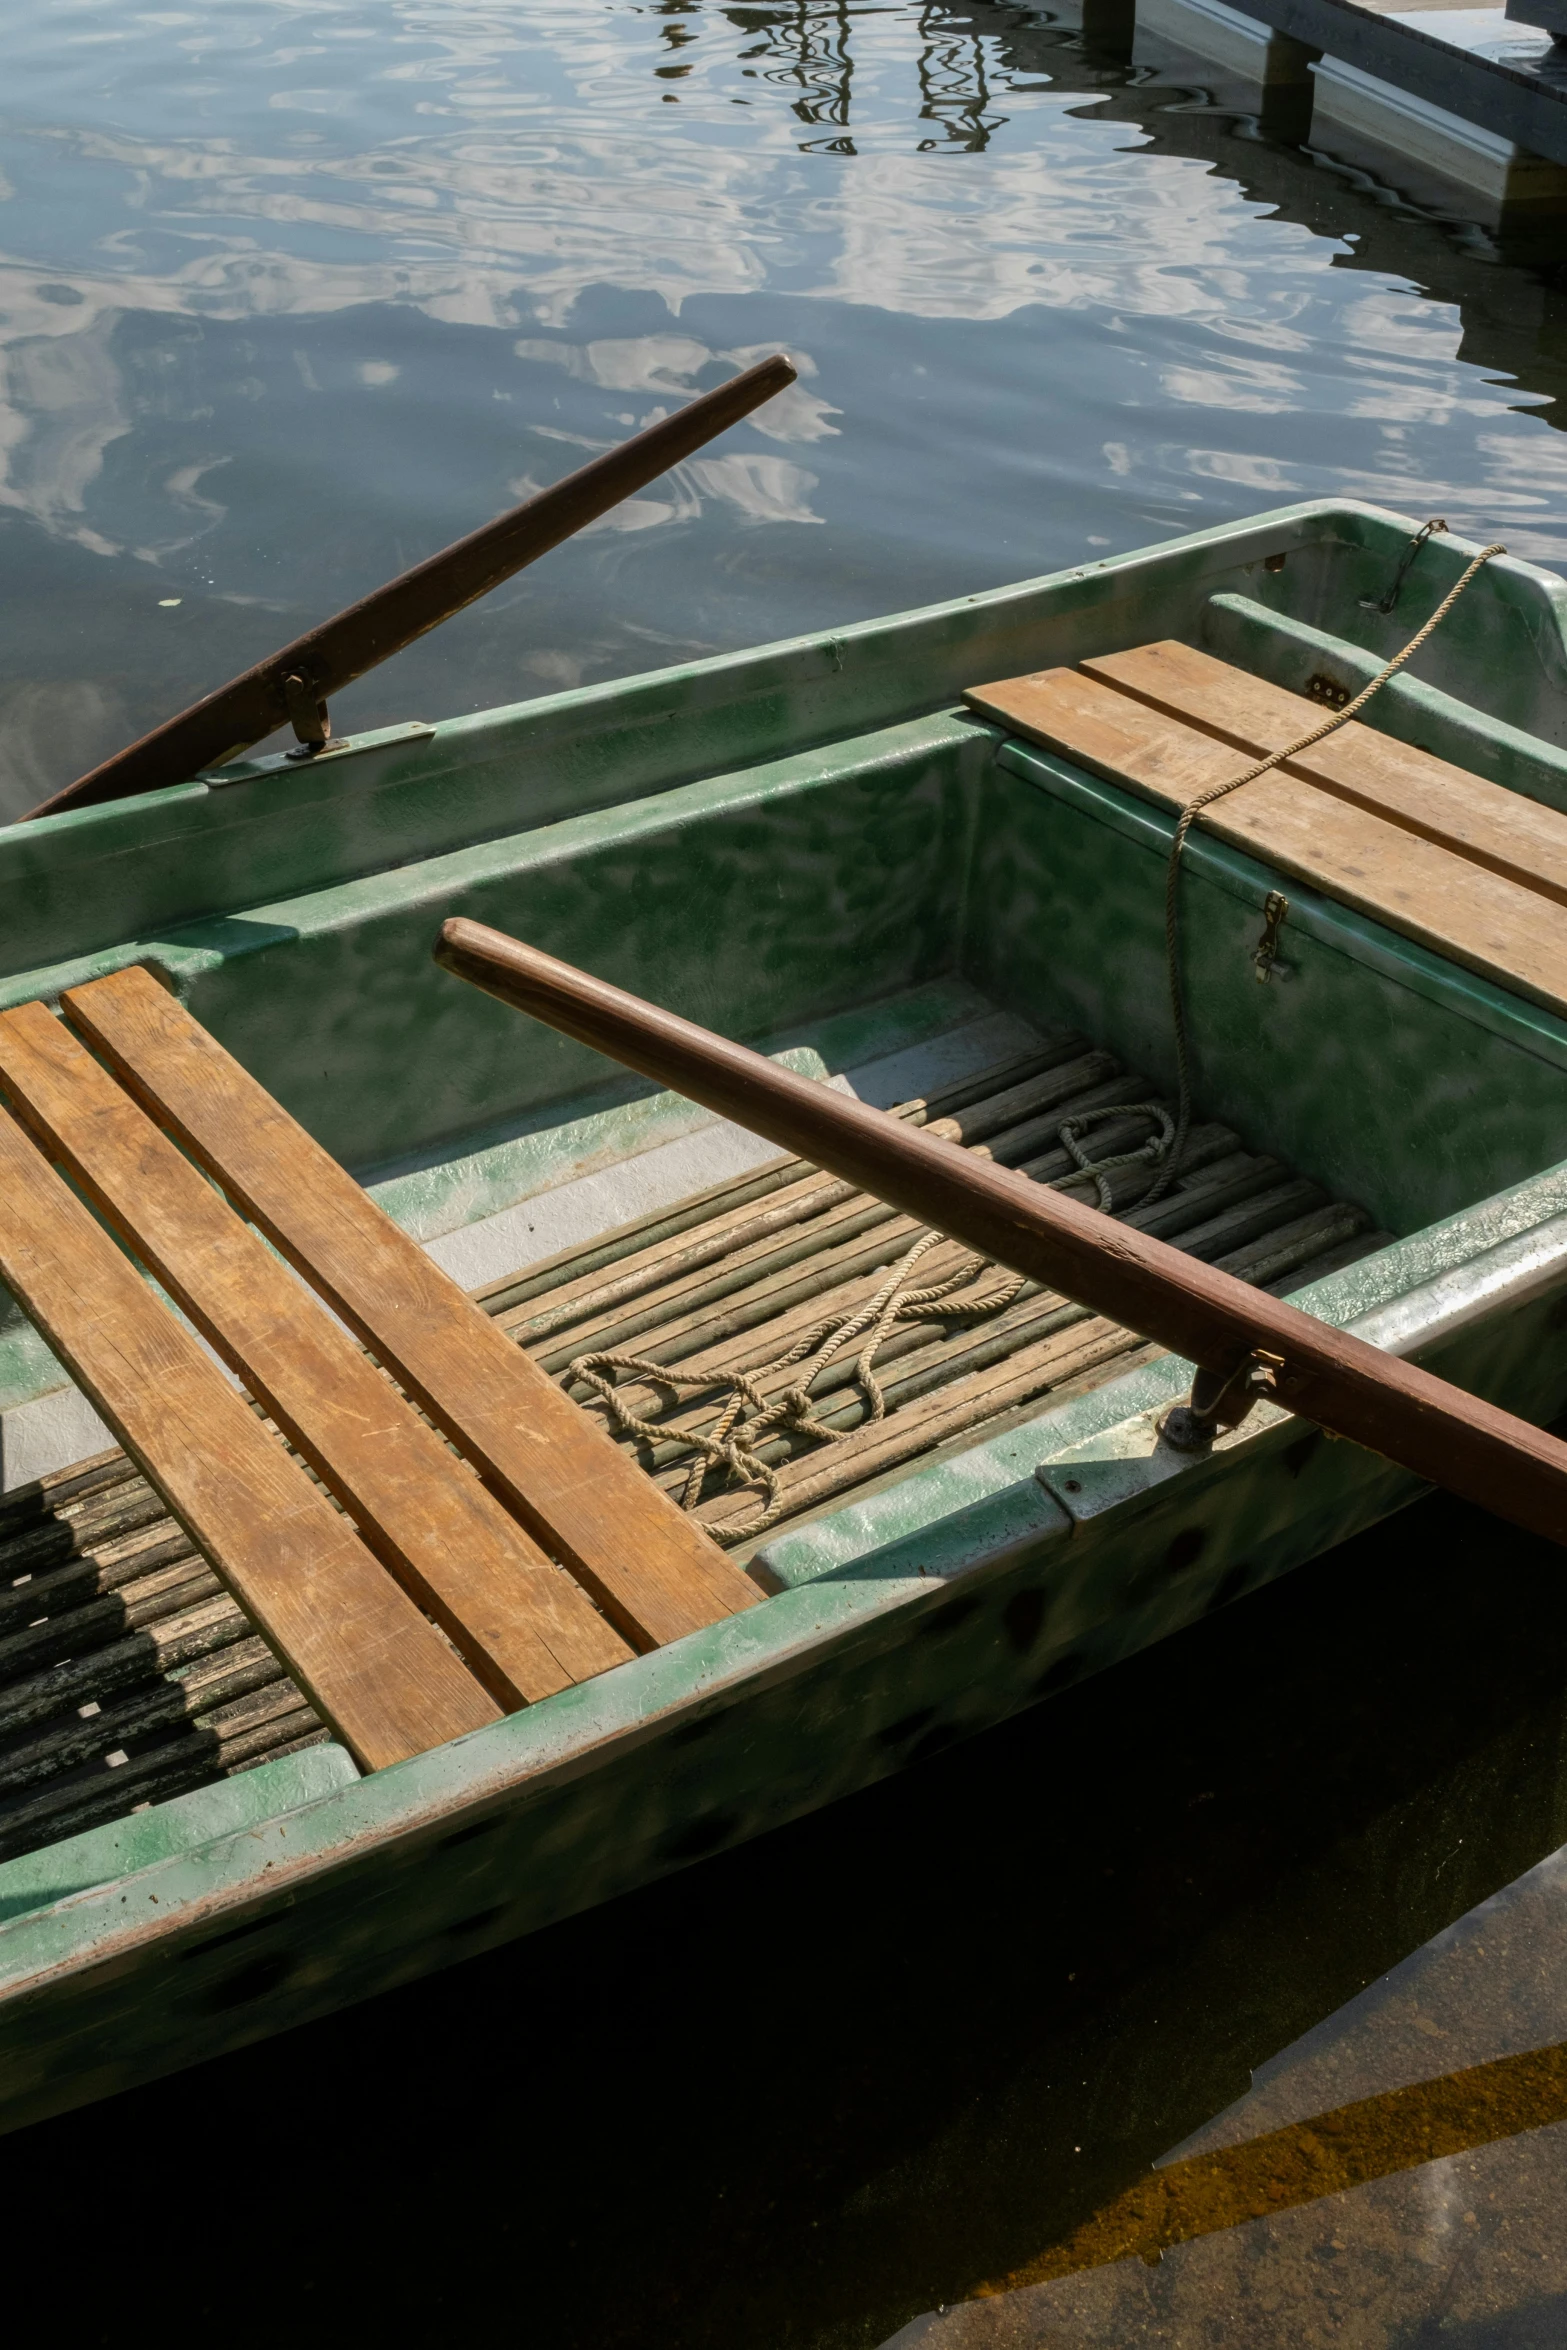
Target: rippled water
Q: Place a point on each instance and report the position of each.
(290, 296)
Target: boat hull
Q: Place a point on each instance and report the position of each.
(802, 846)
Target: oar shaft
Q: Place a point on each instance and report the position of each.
(1423, 1423)
(252, 706)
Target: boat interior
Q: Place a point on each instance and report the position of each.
(958, 915)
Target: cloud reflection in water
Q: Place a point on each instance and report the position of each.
(290, 296)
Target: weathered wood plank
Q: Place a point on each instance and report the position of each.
(655, 1574)
(1460, 909)
(520, 1625)
(1412, 788)
(374, 1668)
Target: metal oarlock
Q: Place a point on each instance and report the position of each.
(1219, 1401)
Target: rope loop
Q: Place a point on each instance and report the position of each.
(1149, 1152)
(1171, 1164)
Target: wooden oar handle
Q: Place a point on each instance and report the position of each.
(304, 673)
(1393, 1408)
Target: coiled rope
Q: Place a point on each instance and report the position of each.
(731, 1445)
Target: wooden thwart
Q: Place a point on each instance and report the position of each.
(1411, 788)
(371, 1663)
(655, 1574)
(523, 1627)
(1474, 872)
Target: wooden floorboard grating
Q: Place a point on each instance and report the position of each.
(129, 1675)
(736, 1276)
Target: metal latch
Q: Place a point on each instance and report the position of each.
(1265, 955)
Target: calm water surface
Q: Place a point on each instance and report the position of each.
(290, 297)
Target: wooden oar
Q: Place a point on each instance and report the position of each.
(293, 685)
(1393, 1408)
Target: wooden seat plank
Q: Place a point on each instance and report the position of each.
(1411, 787)
(370, 1663)
(1459, 909)
(656, 1574)
(522, 1627)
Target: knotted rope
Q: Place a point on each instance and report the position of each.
(731, 1445)
(733, 1440)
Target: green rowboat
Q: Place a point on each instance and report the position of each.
(820, 848)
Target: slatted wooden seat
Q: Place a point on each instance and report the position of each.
(1474, 871)
(457, 1579)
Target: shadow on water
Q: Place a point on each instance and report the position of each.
(810, 2089)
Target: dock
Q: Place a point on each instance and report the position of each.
(1474, 98)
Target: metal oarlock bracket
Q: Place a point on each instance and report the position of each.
(307, 714)
(1219, 1401)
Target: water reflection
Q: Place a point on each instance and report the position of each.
(290, 297)
(1357, 2185)
(808, 47)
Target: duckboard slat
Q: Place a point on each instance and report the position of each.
(127, 1673)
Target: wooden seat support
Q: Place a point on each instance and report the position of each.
(1475, 872)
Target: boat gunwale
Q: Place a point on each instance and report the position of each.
(837, 678)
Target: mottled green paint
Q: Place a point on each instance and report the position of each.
(698, 1746)
(79, 883)
(767, 842)
(1394, 1078)
(37, 1880)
